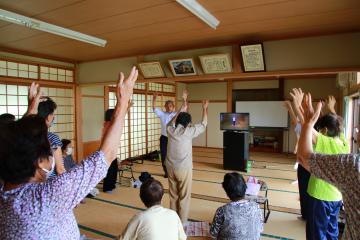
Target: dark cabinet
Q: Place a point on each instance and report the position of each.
(236, 150)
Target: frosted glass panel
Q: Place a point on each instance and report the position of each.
(12, 73)
(12, 89)
(69, 79)
(69, 73)
(2, 64)
(23, 90)
(3, 109)
(61, 72)
(33, 68)
(52, 91)
(44, 76)
(12, 100)
(60, 92)
(12, 65)
(2, 89)
(23, 67)
(33, 75)
(13, 110)
(53, 71)
(3, 72)
(2, 100)
(22, 110)
(23, 100)
(61, 78)
(44, 69)
(53, 77)
(23, 74)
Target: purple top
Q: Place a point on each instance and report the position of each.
(45, 210)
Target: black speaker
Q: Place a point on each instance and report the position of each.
(236, 150)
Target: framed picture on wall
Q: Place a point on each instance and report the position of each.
(253, 58)
(182, 67)
(216, 63)
(151, 70)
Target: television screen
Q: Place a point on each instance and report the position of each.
(234, 121)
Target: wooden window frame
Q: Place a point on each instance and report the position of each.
(21, 81)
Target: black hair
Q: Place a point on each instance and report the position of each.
(23, 144)
(183, 118)
(46, 107)
(6, 118)
(64, 142)
(234, 186)
(151, 192)
(333, 124)
(108, 115)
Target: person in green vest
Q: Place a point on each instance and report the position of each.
(325, 200)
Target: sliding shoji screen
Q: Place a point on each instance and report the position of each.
(13, 99)
(16, 77)
(18, 70)
(165, 92)
(138, 125)
(154, 126)
(64, 123)
(123, 151)
(142, 134)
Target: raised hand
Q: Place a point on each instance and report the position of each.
(330, 103)
(110, 140)
(185, 95)
(125, 88)
(310, 115)
(297, 96)
(34, 98)
(184, 108)
(155, 95)
(205, 104)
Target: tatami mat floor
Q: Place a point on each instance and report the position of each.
(107, 215)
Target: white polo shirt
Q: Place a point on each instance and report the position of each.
(165, 118)
(155, 223)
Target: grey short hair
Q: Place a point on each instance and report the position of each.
(168, 102)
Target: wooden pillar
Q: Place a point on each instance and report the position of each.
(78, 125)
(236, 63)
(229, 95)
(281, 89)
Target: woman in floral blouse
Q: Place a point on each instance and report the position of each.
(239, 219)
(33, 208)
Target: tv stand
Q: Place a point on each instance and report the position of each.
(236, 150)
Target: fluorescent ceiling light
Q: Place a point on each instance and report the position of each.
(199, 11)
(50, 28)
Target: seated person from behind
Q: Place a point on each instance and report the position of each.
(67, 151)
(156, 222)
(6, 118)
(239, 219)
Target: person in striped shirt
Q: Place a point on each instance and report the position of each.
(46, 110)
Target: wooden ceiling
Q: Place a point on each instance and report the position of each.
(138, 27)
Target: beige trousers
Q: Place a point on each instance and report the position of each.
(180, 192)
